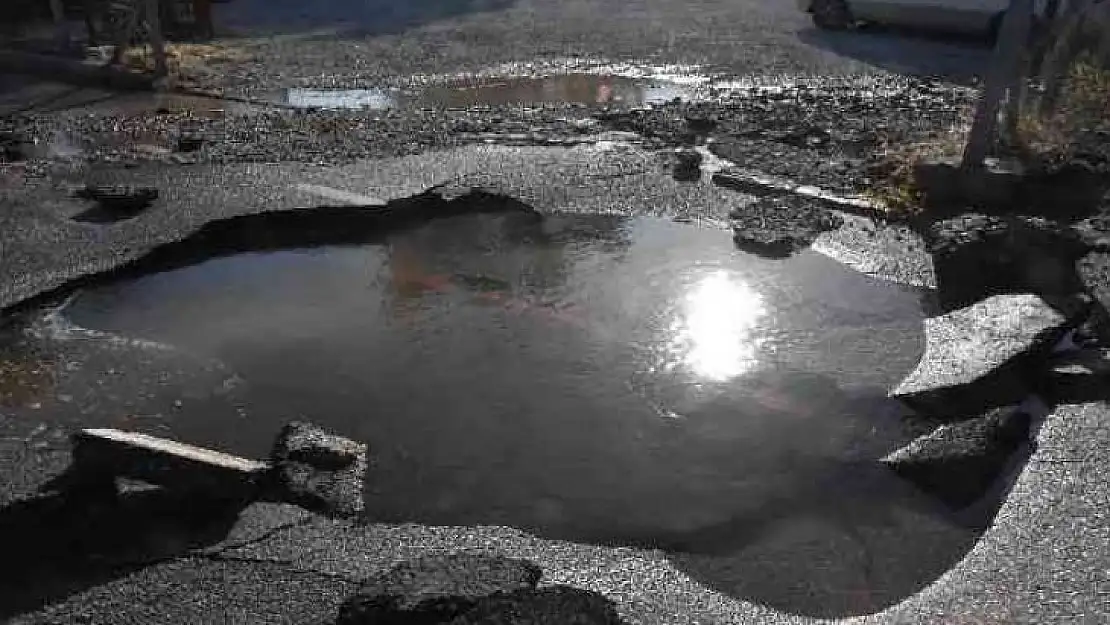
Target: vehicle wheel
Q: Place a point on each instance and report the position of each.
(831, 14)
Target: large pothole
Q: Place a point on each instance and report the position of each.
(623, 381)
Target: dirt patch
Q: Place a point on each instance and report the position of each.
(188, 62)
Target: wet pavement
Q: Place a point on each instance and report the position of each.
(608, 380)
(826, 536)
(895, 539)
(289, 43)
(813, 132)
(593, 89)
(583, 89)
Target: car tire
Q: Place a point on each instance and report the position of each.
(831, 14)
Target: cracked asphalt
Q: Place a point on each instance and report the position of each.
(1043, 560)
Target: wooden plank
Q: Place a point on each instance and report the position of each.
(1102, 17)
(61, 29)
(124, 34)
(202, 11)
(1007, 55)
(1044, 38)
(116, 453)
(1018, 69)
(154, 33)
(163, 445)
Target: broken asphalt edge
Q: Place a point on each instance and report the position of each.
(754, 183)
(287, 228)
(371, 220)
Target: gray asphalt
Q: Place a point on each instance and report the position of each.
(1043, 560)
(740, 37)
(44, 248)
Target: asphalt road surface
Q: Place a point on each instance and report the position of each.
(1043, 560)
(334, 43)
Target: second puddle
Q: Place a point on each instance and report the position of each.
(586, 89)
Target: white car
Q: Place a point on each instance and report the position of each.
(958, 16)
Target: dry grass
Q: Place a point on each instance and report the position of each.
(1084, 106)
(893, 183)
(186, 59)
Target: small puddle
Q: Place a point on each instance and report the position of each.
(585, 89)
(167, 104)
(57, 145)
(342, 98)
(630, 381)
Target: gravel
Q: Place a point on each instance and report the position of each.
(823, 132)
(335, 47)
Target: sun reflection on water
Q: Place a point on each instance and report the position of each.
(714, 329)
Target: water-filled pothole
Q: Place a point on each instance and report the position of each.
(588, 89)
(627, 381)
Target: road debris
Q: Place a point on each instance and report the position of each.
(309, 467)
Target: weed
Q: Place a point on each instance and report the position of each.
(893, 174)
(184, 60)
(1083, 109)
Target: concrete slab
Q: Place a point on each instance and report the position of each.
(114, 453)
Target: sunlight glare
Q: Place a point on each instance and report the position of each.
(715, 334)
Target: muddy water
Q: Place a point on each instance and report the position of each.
(586, 89)
(590, 378)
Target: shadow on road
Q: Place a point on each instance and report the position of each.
(60, 544)
(831, 538)
(959, 59)
(26, 95)
(353, 18)
(833, 556)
